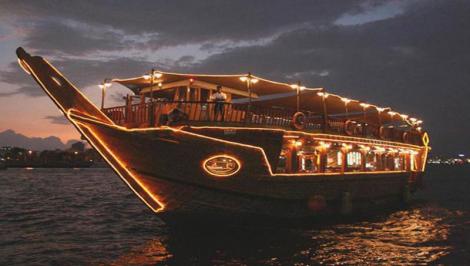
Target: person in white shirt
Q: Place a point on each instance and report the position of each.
(219, 98)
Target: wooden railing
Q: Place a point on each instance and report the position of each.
(197, 113)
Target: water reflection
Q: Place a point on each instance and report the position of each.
(87, 216)
(153, 252)
(415, 236)
(405, 237)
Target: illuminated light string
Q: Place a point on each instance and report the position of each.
(318, 136)
(192, 76)
(425, 140)
(124, 168)
(76, 89)
(68, 115)
(24, 66)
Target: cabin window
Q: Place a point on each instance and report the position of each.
(282, 163)
(413, 163)
(399, 163)
(389, 162)
(371, 161)
(334, 159)
(354, 160)
(308, 163)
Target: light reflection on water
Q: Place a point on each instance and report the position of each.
(87, 216)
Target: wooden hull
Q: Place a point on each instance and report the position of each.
(167, 163)
(163, 166)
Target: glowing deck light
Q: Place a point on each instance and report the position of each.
(392, 114)
(380, 109)
(365, 105)
(105, 85)
(323, 94)
(364, 148)
(404, 116)
(324, 145)
(296, 86)
(154, 74)
(346, 100)
(346, 146)
(379, 149)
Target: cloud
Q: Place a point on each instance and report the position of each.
(79, 26)
(81, 72)
(73, 38)
(57, 119)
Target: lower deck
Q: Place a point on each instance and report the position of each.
(318, 153)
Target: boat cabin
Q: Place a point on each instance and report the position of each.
(172, 99)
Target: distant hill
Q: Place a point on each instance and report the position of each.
(11, 138)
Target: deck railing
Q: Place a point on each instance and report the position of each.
(203, 113)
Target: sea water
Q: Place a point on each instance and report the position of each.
(89, 217)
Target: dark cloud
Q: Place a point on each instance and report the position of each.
(81, 72)
(57, 119)
(417, 63)
(73, 38)
(161, 23)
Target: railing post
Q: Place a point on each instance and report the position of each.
(325, 114)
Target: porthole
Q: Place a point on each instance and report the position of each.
(221, 165)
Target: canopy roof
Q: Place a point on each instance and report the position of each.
(271, 94)
(261, 87)
(335, 105)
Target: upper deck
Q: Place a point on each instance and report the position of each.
(187, 99)
(154, 114)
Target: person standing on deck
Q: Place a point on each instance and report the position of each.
(219, 98)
